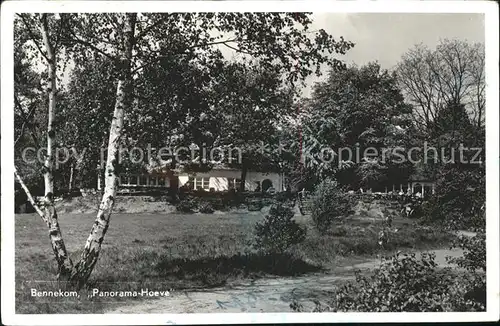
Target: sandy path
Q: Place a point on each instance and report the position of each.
(263, 295)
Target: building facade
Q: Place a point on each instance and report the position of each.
(217, 179)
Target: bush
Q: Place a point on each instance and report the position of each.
(459, 198)
(328, 203)
(266, 201)
(221, 204)
(406, 284)
(186, 206)
(278, 231)
(474, 257)
(474, 260)
(284, 196)
(206, 208)
(255, 205)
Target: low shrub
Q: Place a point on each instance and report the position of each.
(266, 201)
(219, 204)
(255, 205)
(278, 231)
(406, 284)
(205, 208)
(186, 206)
(328, 203)
(284, 196)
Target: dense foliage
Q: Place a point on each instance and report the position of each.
(352, 110)
(278, 231)
(474, 257)
(458, 169)
(328, 203)
(407, 284)
(186, 206)
(205, 208)
(459, 199)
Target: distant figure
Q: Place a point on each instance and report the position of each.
(418, 195)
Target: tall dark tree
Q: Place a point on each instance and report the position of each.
(85, 113)
(175, 103)
(251, 101)
(355, 109)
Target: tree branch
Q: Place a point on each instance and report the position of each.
(149, 28)
(156, 59)
(58, 36)
(32, 36)
(90, 45)
(30, 197)
(237, 50)
(21, 134)
(26, 119)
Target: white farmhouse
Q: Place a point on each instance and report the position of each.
(216, 179)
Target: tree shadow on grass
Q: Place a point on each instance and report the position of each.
(215, 271)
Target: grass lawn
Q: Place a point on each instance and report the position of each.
(177, 251)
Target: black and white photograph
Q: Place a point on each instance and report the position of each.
(249, 161)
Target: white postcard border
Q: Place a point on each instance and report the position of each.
(490, 9)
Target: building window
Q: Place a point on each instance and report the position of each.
(200, 183)
(143, 181)
(152, 181)
(233, 183)
(132, 180)
(161, 181)
(206, 183)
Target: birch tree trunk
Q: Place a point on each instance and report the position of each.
(123, 100)
(71, 172)
(65, 264)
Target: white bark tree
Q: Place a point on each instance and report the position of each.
(47, 43)
(123, 100)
